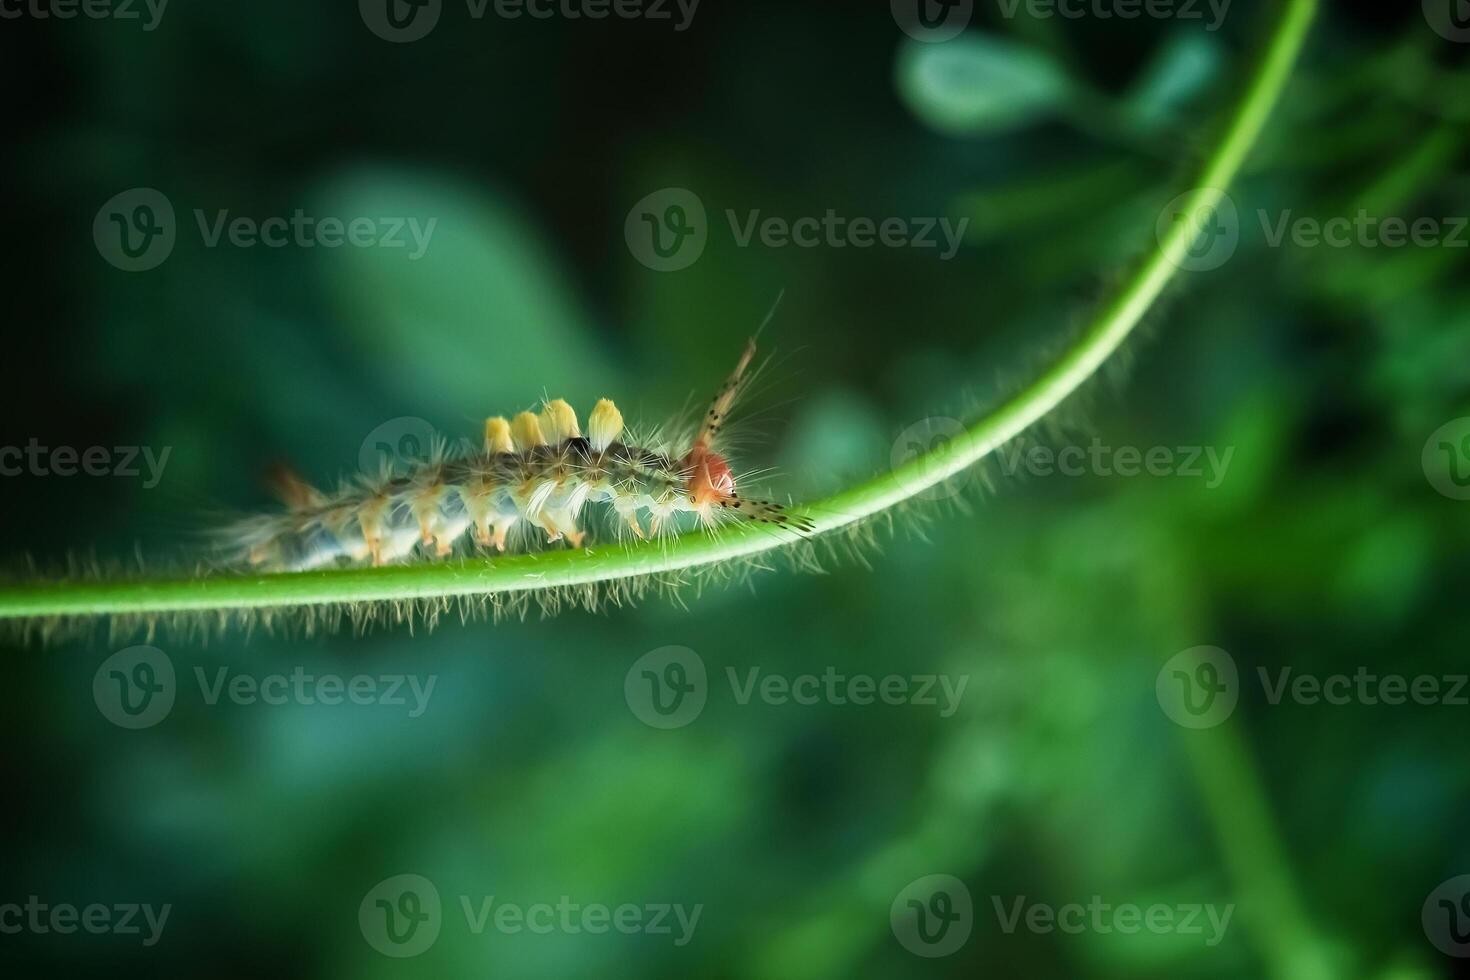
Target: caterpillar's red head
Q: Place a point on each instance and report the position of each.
(710, 480)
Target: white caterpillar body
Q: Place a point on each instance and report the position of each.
(534, 477)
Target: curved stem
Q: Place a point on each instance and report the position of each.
(514, 573)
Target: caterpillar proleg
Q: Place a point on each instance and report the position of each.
(532, 481)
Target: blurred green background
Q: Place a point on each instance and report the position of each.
(1328, 545)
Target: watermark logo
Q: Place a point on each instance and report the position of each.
(1211, 227)
(1446, 917)
(1198, 687)
(932, 21)
(135, 688)
(667, 688)
(135, 230)
(1450, 19)
(400, 21)
(397, 446)
(1446, 459)
(932, 916)
(918, 442)
(401, 916)
(667, 230)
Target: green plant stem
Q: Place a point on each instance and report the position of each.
(480, 576)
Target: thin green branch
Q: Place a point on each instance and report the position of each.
(611, 563)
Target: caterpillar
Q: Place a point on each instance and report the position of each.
(535, 473)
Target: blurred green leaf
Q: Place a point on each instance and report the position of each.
(483, 318)
(979, 83)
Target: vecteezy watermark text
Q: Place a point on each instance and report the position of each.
(305, 231)
(915, 461)
(1184, 10)
(1202, 230)
(35, 459)
(668, 688)
(136, 688)
(941, 20)
(669, 229)
(402, 916)
(1363, 230)
(404, 21)
(136, 230)
(1200, 687)
(1097, 916)
(90, 9)
(1099, 459)
(97, 918)
(1363, 686)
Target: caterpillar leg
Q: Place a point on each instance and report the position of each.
(627, 510)
(566, 513)
(370, 518)
(502, 527)
(566, 527)
(491, 529)
(660, 515)
(427, 508)
(341, 523)
(554, 530)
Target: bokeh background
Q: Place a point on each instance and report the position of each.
(1327, 546)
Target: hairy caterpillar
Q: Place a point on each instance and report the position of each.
(536, 473)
